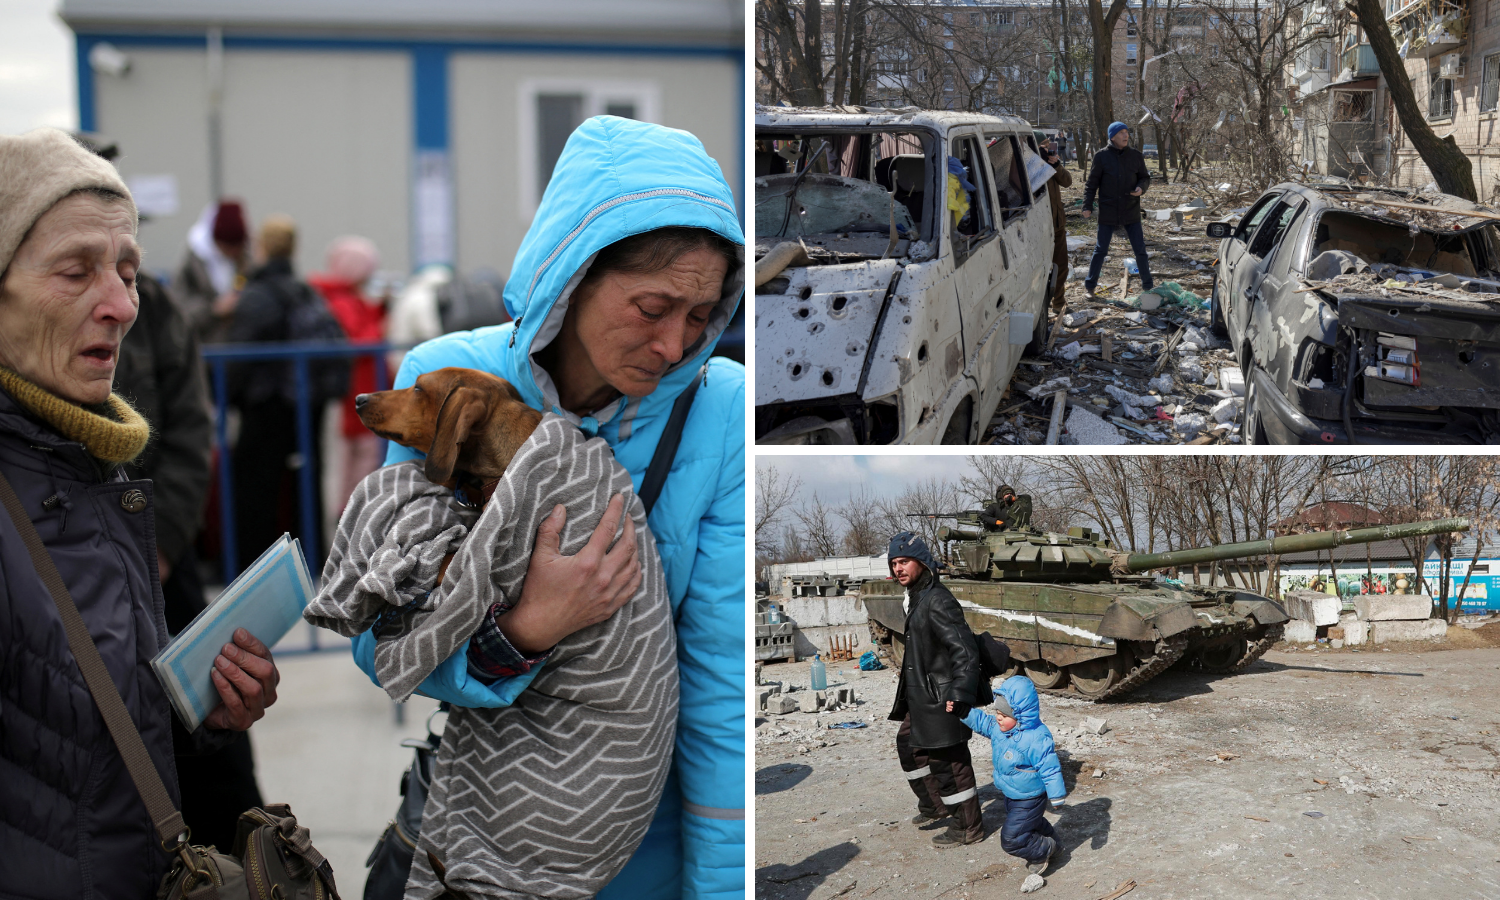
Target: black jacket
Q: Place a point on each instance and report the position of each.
(1001, 515)
(1114, 174)
(276, 306)
(161, 374)
(71, 822)
(941, 663)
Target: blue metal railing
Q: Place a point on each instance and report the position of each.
(300, 354)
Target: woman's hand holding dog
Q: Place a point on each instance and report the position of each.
(564, 594)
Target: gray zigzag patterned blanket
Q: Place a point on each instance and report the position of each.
(548, 797)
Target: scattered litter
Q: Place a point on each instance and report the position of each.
(1225, 756)
(1050, 387)
(1077, 243)
(1258, 818)
(1412, 837)
(1313, 815)
(1319, 781)
(849, 725)
(1033, 882)
(1124, 888)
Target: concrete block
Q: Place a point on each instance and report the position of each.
(810, 701)
(1356, 631)
(761, 696)
(1336, 643)
(1336, 633)
(1311, 606)
(1392, 607)
(1299, 631)
(780, 704)
(1423, 630)
(1095, 725)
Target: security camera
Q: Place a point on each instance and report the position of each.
(107, 59)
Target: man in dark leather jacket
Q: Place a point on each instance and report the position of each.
(941, 663)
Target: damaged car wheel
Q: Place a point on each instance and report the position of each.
(1216, 322)
(957, 431)
(1253, 428)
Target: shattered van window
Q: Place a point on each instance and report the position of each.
(810, 184)
(825, 204)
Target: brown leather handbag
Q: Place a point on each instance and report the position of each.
(273, 857)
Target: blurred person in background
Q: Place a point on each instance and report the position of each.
(351, 262)
(213, 272)
(72, 824)
(277, 307)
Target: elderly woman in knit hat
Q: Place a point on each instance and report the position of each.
(74, 824)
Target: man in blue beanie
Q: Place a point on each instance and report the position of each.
(1118, 177)
(940, 665)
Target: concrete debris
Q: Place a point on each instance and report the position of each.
(1161, 384)
(781, 704)
(1299, 631)
(1190, 369)
(1094, 725)
(1420, 630)
(1312, 606)
(1071, 352)
(1228, 410)
(1098, 773)
(1033, 882)
(810, 701)
(1123, 396)
(1189, 425)
(1232, 380)
(1087, 428)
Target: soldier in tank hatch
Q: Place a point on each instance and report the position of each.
(1009, 511)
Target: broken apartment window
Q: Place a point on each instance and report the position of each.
(861, 186)
(1440, 99)
(1353, 106)
(1489, 90)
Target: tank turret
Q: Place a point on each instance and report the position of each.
(1075, 610)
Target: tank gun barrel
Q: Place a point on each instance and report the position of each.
(946, 533)
(1292, 543)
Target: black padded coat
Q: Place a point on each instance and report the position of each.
(1113, 175)
(941, 663)
(71, 823)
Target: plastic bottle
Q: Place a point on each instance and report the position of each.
(775, 615)
(819, 674)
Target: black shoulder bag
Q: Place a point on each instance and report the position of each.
(390, 861)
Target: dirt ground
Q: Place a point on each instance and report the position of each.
(1179, 410)
(1207, 788)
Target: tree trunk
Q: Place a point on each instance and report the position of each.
(810, 92)
(1103, 26)
(857, 72)
(1447, 163)
(840, 52)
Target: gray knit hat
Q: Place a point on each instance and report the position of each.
(1002, 706)
(39, 168)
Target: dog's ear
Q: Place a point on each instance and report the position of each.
(464, 408)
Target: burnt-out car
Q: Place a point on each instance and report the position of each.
(921, 252)
(1362, 315)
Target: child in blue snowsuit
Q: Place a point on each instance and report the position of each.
(1026, 769)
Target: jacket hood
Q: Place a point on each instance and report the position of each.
(1020, 693)
(615, 178)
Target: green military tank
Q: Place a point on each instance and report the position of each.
(1074, 610)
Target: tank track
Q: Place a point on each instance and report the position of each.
(1253, 650)
(1168, 652)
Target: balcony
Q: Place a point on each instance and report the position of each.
(1359, 62)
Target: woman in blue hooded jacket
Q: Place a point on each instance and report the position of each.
(617, 179)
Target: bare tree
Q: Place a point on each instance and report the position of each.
(820, 530)
(1447, 163)
(1102, 24)
(863, 535)
(774, 492)
(789, 57)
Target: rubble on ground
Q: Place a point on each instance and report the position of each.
(1139, 368)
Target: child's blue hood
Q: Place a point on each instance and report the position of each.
(616, 178)
(1020, 693)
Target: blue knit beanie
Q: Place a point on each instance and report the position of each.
(909, 545)
(1117, 127)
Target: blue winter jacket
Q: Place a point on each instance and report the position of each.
(1025, 759)
(615, 178)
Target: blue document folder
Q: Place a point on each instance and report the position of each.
(266, 600)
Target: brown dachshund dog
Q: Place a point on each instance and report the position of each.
(469, 423)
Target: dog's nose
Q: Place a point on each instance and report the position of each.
(360, 400)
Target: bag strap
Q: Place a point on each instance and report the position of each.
(666, 446)
(164, 815)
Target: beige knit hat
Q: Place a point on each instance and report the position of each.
(39, 168)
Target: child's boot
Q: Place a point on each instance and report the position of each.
(1040, 866)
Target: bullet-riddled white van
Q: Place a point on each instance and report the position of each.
(903, 267)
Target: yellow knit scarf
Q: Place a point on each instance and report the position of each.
(116, 438)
